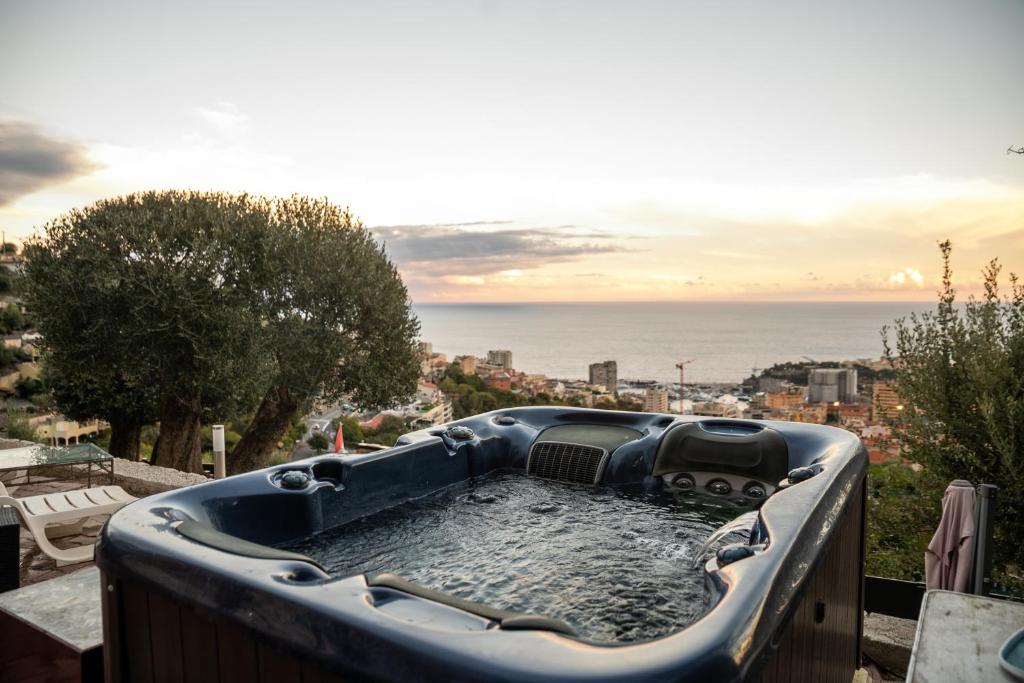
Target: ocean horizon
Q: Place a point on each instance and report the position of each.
(725, 340)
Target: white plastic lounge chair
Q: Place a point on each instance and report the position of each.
(54, 515)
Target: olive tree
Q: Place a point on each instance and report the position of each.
(143, 307)
(960, 372)
(336, 321)
(187, 307)
(89, 364)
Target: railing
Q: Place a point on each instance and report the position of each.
(893, 597)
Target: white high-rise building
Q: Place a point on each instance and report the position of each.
(500, 357)
(606, 374)
(828, 385)
(656, 399)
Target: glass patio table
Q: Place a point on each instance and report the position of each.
(33, 458)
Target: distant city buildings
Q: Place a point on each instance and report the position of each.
(432, 365)
(717, 409)
(430, 407)
(500, 380)
(886, 403)
(501, 358)
(831, 395)
(535, 384)
(813, 413)
(828, 385)
(769, 384)
(58, 430)
(850, 415)
(656, 399)
(427, 392)
(432, 413)
(466, 363)
(787, 396)
(605, 374)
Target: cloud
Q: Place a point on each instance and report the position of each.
(686, 207)
(462, 280)
(725, 253)
(224, 116)
(907, 276)
(31, 160)
(469, 224)
(452, 251)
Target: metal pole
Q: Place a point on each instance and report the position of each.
(682, 388)
(219, 466)
(983, 539)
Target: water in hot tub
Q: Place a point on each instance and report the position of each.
(615, 564)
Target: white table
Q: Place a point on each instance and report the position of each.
(959, 637)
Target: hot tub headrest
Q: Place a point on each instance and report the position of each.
(728, 446)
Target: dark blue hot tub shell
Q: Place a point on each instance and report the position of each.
(194, 588)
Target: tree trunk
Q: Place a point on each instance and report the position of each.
(272, 420)
(180, 440)
(125, 436)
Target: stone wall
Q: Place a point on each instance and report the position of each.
(137, 478)
(142, 479)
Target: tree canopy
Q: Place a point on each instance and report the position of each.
(138, 299)
(336, 318)
(188, 307)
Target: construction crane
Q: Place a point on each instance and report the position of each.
(682, 367)
(808, 358)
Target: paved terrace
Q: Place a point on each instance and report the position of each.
(137, 478)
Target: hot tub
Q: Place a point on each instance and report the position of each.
(533, 544)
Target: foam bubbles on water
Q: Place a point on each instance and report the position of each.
(614, 564)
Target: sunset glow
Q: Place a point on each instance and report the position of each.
(529, 152)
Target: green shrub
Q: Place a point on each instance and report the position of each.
(351, 430)
(960, 372)
(903, 509)
(18, 427)
(318, 442)
(11, 319)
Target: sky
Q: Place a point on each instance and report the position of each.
(551, 151)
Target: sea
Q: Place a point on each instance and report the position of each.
(725, 341)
